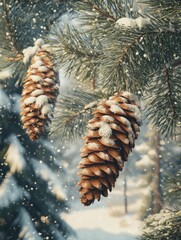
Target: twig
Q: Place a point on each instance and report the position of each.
(103, 12)
(170, 94)
(11, 37)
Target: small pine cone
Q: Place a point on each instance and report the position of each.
(109, 140)
(40, 90)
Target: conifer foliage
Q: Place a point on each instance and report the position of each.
(32, 196)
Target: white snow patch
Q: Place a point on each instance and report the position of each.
(6, 73)
(46, 109)
(108, 141)
(105, 130)
(14, 155)
(28, 230)
(37, 64)
(136, 111)
(103, 155)
(49, 80)
(39, 42)
(145, 162)
(126, 22)
(43, 69)
(54, 180)
(4, 100)
(152, 153)
(125, 121)
(102, 109)
(36, 78)
(47, 47)
(30, 100)
(106, 220)
(107, 118)
(142, 148)
(37, 92)
(37, 58)
(110, 102)
(29, 53)
(9, 191)
(92, 145)
(141, 22)
(41, 100)
(116, 109)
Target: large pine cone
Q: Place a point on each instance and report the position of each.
(40, 90)
(109, 140)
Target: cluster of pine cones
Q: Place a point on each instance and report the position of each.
(111, 132)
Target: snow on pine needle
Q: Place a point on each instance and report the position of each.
(14, 155)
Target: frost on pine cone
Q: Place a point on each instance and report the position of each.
(109, 140)
(40, 90)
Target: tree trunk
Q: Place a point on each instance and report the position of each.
(157, 199)
(125, 190)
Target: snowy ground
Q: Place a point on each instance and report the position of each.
(106, 220)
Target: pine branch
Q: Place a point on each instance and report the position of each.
(163, 106)
(10, 192)
(72, 114)
(173, 189)
(9, 32)
(165, 225)
(10, 56)
(27, 229)
(101, 11)
(165, 8)
(109, 11)
(75, 50)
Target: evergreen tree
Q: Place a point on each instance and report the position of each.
(153, 179)
(113, 46)
(167, 223)
(32, 196)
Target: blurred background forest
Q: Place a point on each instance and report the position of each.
(39, 197)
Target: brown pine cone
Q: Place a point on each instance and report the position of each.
(40, 90)
(109, 140)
